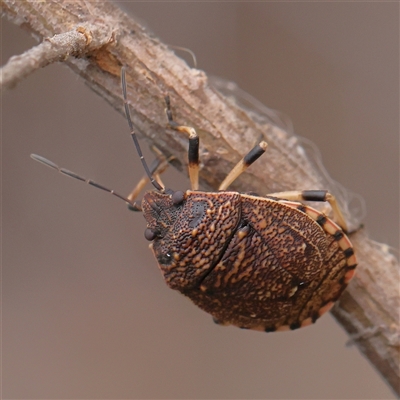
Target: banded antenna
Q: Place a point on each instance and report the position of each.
(134, 136)
(133, 205)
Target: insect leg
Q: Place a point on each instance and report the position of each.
(193, 152)
(243, 164)
(159, 165)
(315, 195)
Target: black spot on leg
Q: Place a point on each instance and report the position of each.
(253, 154)
(314, 195)
(270, 329)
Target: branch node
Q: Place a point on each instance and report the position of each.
(86, 33)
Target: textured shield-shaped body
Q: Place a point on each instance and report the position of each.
(253, 262)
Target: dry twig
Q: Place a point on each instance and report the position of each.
(369, 308)
(76, 43)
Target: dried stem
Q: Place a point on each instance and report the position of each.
(77, 42)
(368, 310)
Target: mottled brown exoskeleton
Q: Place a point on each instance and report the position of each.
(266, 263)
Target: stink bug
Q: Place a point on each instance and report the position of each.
(265, 263)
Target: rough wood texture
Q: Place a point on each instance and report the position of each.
(82, 39)
(369, 309)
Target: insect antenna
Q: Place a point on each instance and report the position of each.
(132, 204)
(134, 136)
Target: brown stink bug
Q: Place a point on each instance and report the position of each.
(265, 263)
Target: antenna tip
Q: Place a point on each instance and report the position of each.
(44, 161)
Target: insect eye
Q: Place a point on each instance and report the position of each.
(177, 197)
(149, 234)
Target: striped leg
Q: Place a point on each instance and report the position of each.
(243, 164)
(193, 152)
(315, 195)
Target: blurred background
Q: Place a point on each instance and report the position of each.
(86, 313)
